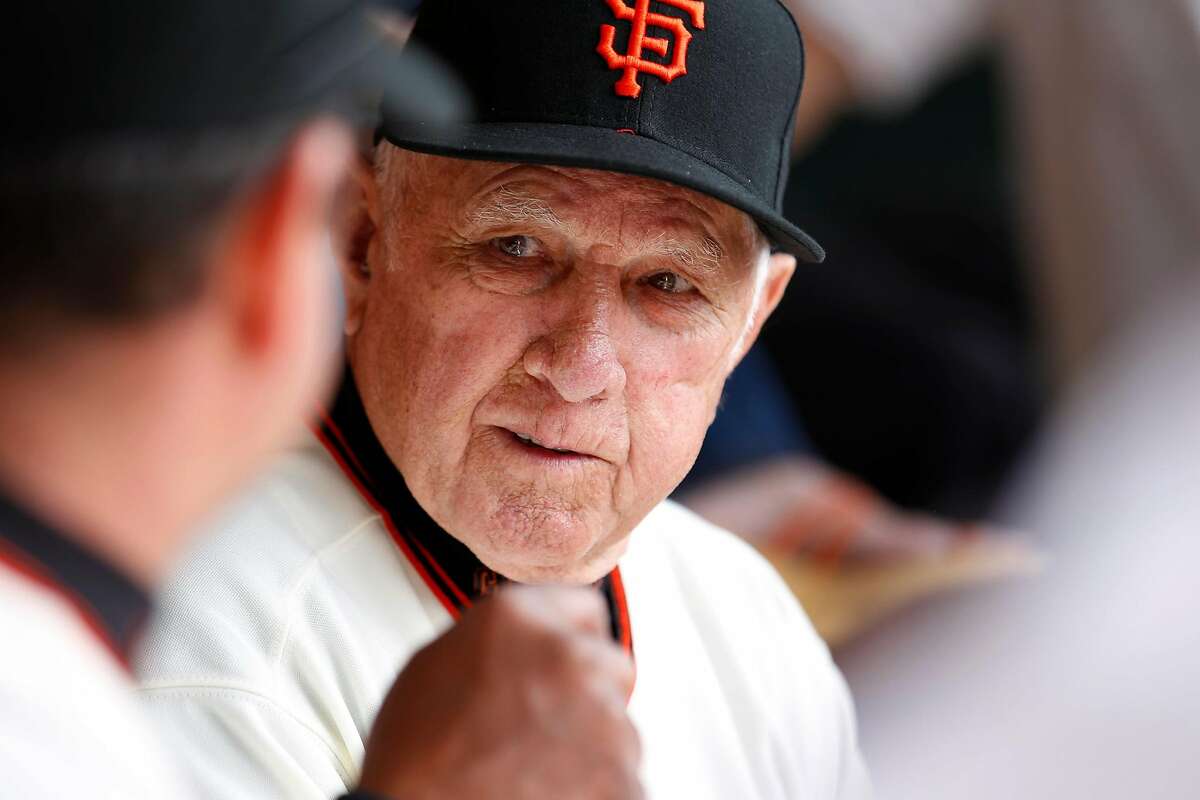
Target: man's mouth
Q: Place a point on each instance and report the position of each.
(531, 442)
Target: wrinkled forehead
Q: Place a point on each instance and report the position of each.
(627, 211)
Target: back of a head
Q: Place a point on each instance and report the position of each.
(132, 128)
(115, 230)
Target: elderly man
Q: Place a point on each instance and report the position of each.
(543, 307)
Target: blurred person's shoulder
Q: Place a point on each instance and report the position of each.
(62, 691)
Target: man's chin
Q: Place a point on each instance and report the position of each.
(580, 573)
(554, 554)
(534, 534)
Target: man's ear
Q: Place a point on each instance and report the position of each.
(356, 221)
(780, 268)
(274, 269)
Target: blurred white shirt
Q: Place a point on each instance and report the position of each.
(1082, 683)
(70, 723)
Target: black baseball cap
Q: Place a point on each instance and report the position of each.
(699, 93)
(71, 70)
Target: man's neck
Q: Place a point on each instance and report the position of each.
(85, 445)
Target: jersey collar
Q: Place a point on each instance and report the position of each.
(111, 606)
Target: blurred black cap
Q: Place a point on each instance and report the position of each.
(72, 70)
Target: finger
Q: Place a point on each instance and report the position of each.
(607, 667)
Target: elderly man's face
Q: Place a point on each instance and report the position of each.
(540, 350)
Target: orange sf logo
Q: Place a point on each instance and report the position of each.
(633, 63)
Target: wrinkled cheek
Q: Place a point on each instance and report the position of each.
(668, 428)
(675, 388)
(685, 363)
(469, 355)
(460, 360)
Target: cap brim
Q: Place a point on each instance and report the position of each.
(353, 65)
(414, 84)
(596, 148)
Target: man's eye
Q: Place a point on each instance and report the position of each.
(670, 282)
(517, 246)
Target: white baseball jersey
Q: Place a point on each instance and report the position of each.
(279, 639)
(70, 723)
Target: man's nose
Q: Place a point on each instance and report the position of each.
(580, 362)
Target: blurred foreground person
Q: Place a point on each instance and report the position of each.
(1082, 684)
(543, 308)
(167, 318)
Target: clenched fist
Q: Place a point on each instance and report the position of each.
(524, 700)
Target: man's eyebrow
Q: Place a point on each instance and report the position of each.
(705, 255)
(507, 205)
